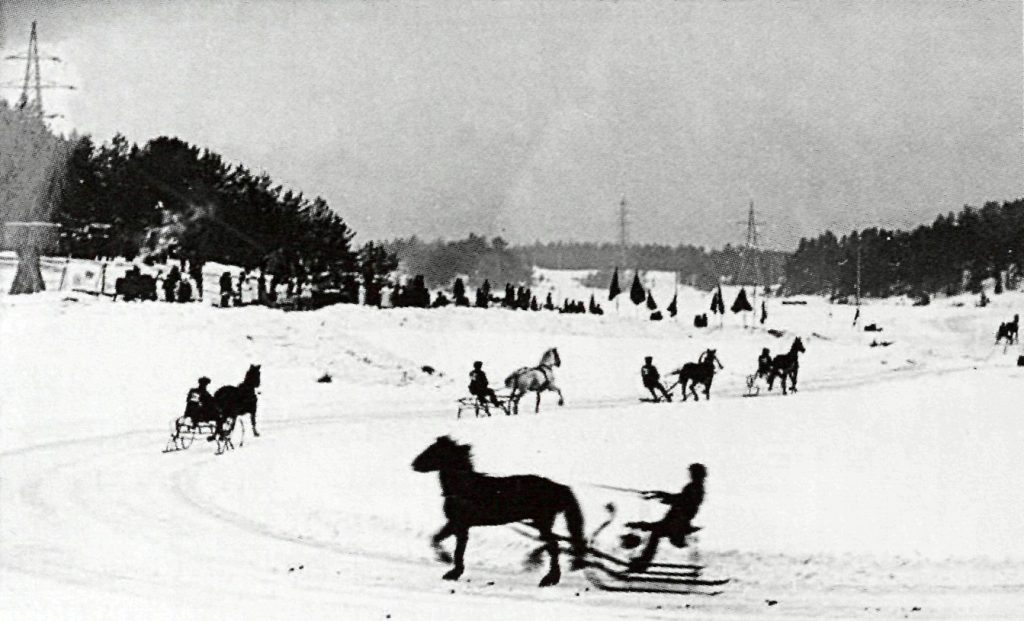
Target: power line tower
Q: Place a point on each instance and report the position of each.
(623, 228)
(751, 271)
(31, 99)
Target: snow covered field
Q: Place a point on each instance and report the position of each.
(888, 486)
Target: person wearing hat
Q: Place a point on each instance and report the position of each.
(677, 523)
(199, 402)
(652, 379)
(478, 384)
(764, 363)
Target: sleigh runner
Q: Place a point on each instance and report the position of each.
(483, 407)
(609, 572)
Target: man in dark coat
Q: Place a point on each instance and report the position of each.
(478, 384)
(171, 283)
(199, 402)
(225, 289)
(652, 379)
(764, 363)
(676, 524)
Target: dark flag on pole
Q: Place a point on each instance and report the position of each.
(741, 304)
(651, 304)
(717, 305)
(614, 290)
(636, 292)
(673, 308)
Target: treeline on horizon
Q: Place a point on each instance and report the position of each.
(479, 259)
(954, 254)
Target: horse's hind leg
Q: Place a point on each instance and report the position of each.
(461, 538)
(551, 545)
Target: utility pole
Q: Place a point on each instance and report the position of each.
(31, 99)
(858, 272)
(751, 262)
(623, 238)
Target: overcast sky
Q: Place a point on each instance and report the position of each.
(531, 120)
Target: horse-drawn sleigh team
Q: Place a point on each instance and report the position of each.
(482, 397)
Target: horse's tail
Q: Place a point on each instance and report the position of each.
(574, 520)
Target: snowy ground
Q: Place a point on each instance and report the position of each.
(889, 482)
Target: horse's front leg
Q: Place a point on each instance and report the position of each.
(784, 377)
(792, 382)
(551, 545)
(561, 401)
(435, 542)
(461, 538)
(252, 421)
(707, 390)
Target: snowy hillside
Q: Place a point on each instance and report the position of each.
(889, 482)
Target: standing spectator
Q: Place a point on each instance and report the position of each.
(225, 289)
(171, 283)
(196, 272)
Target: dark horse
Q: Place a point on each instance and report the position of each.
(475, 499)
(1008, 331)
(700, 372)
(786, 366)
(230, 402)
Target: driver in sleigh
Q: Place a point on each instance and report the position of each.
(199, 405)
(676, 525)
(478, 385)
(764, 363)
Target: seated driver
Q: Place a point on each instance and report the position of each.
(764, 363)
(478, 384)
(199, 402)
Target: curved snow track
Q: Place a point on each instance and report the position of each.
(831, 502)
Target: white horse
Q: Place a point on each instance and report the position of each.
(537, 379)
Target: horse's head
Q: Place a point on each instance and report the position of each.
(551, 358)
(443, 454)
(798, 345)
(252, 376)
(710, 358)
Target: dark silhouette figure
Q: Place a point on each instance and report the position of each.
(652, 379)
(764, 363)
(676, 524)
(225, 289)
(700, 372)
(199, 405)
(787, 366)
(1008, 331)
(196, 272)
(171, 283)
(475, 499)
(478, 384)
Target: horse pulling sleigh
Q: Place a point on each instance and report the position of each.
(216, 421)
(523, 380)
(531, 504)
